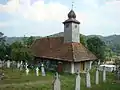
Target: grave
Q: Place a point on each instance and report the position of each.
(104, 74)
(88, 82)
(27, 71)
(43, 70)
(37, 71)
(8, 64)
(97, 76)
(77, 84)
(56, 83)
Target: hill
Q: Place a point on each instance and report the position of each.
(113, 41)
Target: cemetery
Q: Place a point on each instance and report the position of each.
(38, 79)
(58, 63)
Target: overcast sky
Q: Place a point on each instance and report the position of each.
(45, 17)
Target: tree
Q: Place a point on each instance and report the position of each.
(83, 40)
(2, 46)
(21, 50)
(16, 54)
(96, 46)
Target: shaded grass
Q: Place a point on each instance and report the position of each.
(16, 80)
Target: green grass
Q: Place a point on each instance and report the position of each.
(16, 80)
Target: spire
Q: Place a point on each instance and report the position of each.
(71, 14)
(72, 5)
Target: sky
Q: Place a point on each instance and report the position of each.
(45, 17)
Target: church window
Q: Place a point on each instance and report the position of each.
(67, 25)
(75, 26)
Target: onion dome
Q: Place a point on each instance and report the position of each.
(71, 14)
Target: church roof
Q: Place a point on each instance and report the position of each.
(71, 14)
(71, 18)
(55, 48)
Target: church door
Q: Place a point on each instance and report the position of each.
(82, 65)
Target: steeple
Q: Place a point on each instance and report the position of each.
(72, 14)
(71, 17)
(71, 28)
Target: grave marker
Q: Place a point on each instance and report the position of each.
(43, 70)
(104, 74)
(88, 83)
(56, 83)
(77, 85)
(97, 76)
(8, 64)
(27, 71)
(37, 71)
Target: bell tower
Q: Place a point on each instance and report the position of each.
(71, 28)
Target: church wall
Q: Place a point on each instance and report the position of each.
(68, 32)
(77, 67)
(66, 66)
(88, 65)
(75, 33)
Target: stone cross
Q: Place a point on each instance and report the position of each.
(99, 62)
(26, 65)
(43, 70)
(88, 82)
(104, 74)
(56, 83)
(77, 85)
(21, 62)
(27, 71)
(21, 65)
(97, 77)
(18, 65)
(8, 64)
(37, 71)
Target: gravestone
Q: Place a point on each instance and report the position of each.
(18, 65)
(21, 65)
(97, 76)
(8, 64)
(43, 70)
(56, 83)
(37, 71)
(27, 71)
(88, 82)
(77, 84)
(104, 74)
(26, 65)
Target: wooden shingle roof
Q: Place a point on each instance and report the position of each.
(55, 48)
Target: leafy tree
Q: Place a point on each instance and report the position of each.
(83, 40)
(16, 51)
(30, 41)
(96, 46)
(21, 50)
(2, 46)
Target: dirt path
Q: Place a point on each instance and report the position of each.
(23, 84)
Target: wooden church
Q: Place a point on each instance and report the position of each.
(65, 52)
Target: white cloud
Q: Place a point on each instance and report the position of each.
(38, 11)
(3, 24)
(96, 16)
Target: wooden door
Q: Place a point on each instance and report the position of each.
(82, 66)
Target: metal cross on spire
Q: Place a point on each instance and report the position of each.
(72, 4)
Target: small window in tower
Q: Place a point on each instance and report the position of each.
(67, 25)
(75, 26)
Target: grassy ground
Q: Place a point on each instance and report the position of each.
(16, 80)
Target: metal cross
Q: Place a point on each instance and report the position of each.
(72, 4)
